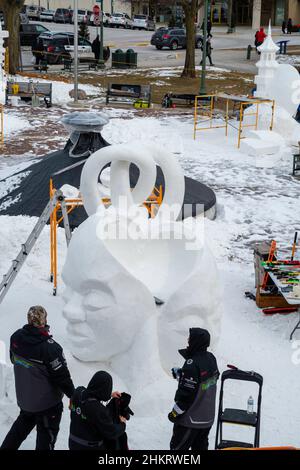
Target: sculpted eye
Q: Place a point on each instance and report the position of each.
(96, 300)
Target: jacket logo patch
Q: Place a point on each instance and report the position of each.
(189, 361)
(78, 410)
(50, 341)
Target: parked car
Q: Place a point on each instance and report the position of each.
(173, 38)
(23, 19)
(47, 15)
(83, 16)
(118, 20)
(62, 15)
(60, 46)
(30, 32)
(143, 22)
(33, 12)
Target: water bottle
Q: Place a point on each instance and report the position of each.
(250, 405)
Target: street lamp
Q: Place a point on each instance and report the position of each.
(75, 51)
(203, 71)
(101, 33)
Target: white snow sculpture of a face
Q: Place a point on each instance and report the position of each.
(111, 283)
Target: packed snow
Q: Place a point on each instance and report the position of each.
(257, 200)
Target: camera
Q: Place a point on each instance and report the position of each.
(176, 372)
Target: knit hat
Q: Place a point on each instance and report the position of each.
(37, 316)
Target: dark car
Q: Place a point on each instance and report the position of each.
(173, 38)
(30, 32)
(60, 46)
(62, 15)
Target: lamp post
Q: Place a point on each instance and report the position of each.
(101, 33)
(75, 51)
(203, 71)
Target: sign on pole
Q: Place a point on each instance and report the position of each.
(97, 20)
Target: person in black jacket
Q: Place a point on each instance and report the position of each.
(41, 379)
(289, 26)
(96, 47)
(91, 422)
(193, 413)
(38, 52)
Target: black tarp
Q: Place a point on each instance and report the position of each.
(31, 196)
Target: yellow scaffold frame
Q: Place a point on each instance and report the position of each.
(1, 124)
(243, 102)
(152, 204)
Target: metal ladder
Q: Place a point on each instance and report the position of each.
(26, 248)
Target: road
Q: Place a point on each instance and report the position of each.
(229, 51)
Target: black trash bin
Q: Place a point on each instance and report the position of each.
(118, 59)
(131, 58)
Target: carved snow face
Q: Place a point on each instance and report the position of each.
(105, 306)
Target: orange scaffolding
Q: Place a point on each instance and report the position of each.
(56, 217)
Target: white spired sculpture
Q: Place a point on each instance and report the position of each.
(115, 272)
(267, 65)
(279, 82)
(3, 35)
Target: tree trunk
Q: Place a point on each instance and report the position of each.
(190, 11)
(11, 10)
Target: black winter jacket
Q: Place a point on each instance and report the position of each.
(195, 398)
(41, 372)
(91, 421)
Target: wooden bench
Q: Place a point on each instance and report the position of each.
(179, 99)
(128, 94)
(28, 90)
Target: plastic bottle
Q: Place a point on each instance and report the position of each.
(250, 405)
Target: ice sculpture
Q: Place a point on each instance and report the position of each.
(120, 262)
(3, 35)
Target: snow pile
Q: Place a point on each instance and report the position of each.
(13, 123)
(60, 90)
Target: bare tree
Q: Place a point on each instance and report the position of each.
(11, 10)
(190, 8)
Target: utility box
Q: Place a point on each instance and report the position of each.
(119, 59)
(131, 58)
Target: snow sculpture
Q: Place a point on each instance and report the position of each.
(112, 281)
(3, 35)
(267, 65)
(276, 81)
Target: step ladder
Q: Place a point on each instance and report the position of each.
(237, 416)
(9, 277)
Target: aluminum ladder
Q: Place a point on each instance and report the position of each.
(9, 277)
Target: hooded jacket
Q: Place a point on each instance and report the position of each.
(195, 398)
(40, 368)
(91, 421)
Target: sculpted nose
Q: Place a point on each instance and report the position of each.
(73, 310)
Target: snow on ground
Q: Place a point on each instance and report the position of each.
(60, 90)
(12, 123)
(255, 202)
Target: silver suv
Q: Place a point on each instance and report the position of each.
(143, 22)
(118, 20)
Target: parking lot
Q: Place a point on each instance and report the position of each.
(227, 49)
